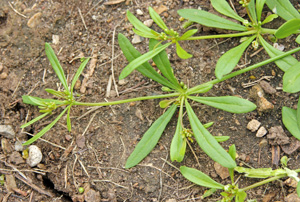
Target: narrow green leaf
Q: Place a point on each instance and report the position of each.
(259, 7)
(240, 196)
(56, 66)
(232, 153)
(223, 7)
(270, 18)
(291, 79)
(283, 8)
(69, 126)
(141, 60)
(207, 142)
(209, 20)
(46, 129)
(288, 28)
(56, 93)
(165, 103)
(227, 103)
(208, 193)
(284, 63)
(298, 39)
(146, 69)
(251, 7)
(162, 62)
(150, 138)
(298, 188)
(229, 60)
(34, 120)
(221, 138)
(144, 34)
(203, 88)
(209, 124)
(289, 119)
(39, 101)
(255, 173)
(157, 19)
(138, 24)
(199, 178)
(188, 34)
(78, 73)
(298, 112)
(178, 144)
(181, 52)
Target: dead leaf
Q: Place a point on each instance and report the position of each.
(221, 171)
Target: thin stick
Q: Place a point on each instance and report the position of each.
(82, 18)
(193, 153)
(112, 183)
(17, 11)
(89, 124)
(170, 164)
(53, 144)
(83, 167)
(112, 62)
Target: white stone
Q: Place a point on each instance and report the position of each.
(139, 12)
(262, 131)
(253, 125)
(34, 156)
(55, 39)
(123, 82)
(136, 39)
(148, 23)
(7, 131)
(18, 146)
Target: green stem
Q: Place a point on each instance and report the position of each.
(126, 101)
(181, 111)
(267, 31)
(221, 35)
(215, 81)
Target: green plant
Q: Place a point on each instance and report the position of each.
(232, 191)
(177, 92)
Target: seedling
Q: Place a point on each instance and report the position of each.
(232, 191)
(178, 96)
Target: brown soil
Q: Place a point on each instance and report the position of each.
(93, 155)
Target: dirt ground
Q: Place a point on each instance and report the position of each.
(94, 153)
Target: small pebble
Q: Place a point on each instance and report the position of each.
(34, 20)
(253, 125)
(123, 82)
(148, 23)
(262, 131)
(139, 12)
(35, 156)
(7, 131)
(263, 105)
(267, 87)
(55, 39)
(136, 39)
(3, 75)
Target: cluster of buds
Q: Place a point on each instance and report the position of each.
(244, 2)
(187, 133)
(47, 107)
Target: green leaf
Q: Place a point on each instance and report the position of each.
(56, 66)
(298, 189)
(229, 60)
(209, 20)
(157, 19)
(251, 7)
(35, 120)
(188, 34)
(223, 7)
(178, 144)
(260, 172)
(208, 193)
(56, 93)
(181, 52)
(298, 112)
(146, 69)
(240, 196)
(78, 73)
(162, 62)
(289, 119)
(232, 153)
(227, 103)
(141, 60)
(207, 142)
(39, 101)
(165, 103)
(284, 63)
(209, 124)
(199, 178)
(46, 129)
(138, 24)
(150, 138)
(288, 28)
(203, 88)
(144, 34)
(291, 79)
(283, 8)
(221, 138)
(259, 7)
(270, 18)
(69, 126)
(298, 39)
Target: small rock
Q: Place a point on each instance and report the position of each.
(264, 105)
(136, 39)
(256, 92)
(261, 132)
(292, 147)
(253, 125)
(3, 75)
(7, 131)
(18, 146)
(148, 23)
(139, 12)
(267, 87)
(123, 82)
(221, 171)
(293, 197)
(291, 182)
(278, 46)
(92, 196)
(171, 200)
(16, 158)
(139, 114)
(277, 136)
(55, 39)
(80, 141)
(34, 156)
(34, 20)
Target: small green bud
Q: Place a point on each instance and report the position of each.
(255, 45)
(166, 89)
(80, 190)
